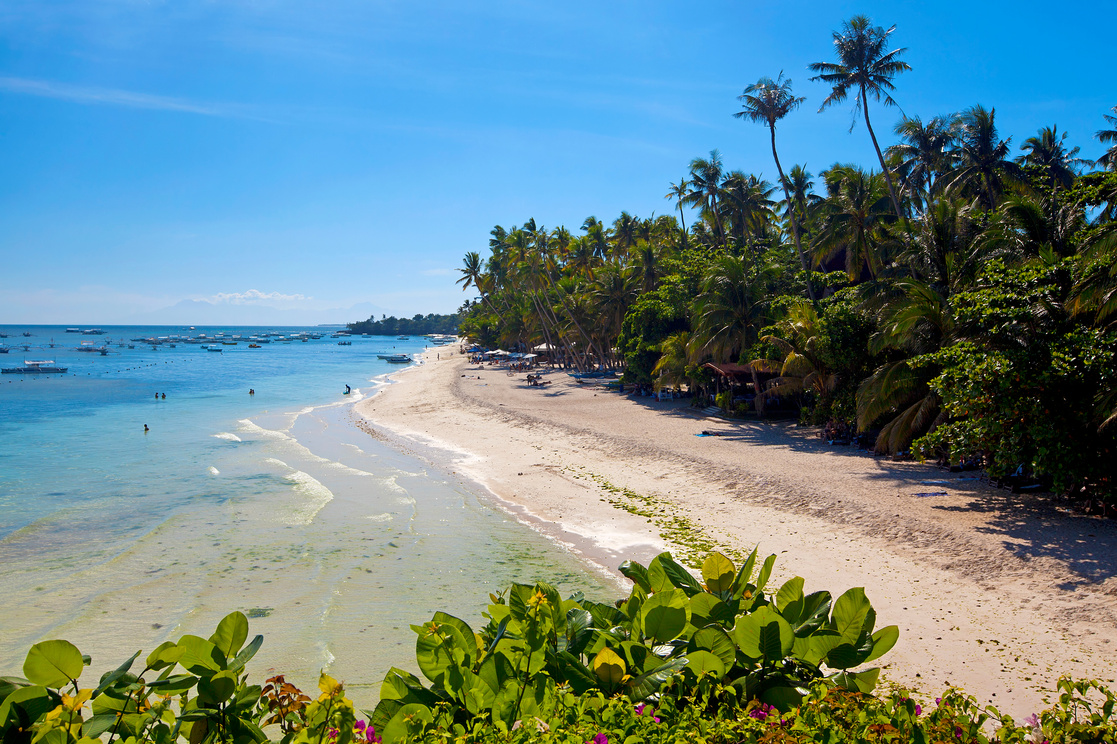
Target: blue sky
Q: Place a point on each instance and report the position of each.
(329, 158)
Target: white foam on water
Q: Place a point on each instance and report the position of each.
(385, 517)
(228, 437)
(247, 426)
(213, 470)
(316, 496)
(273, 461)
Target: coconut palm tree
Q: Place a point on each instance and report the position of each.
(725, 314)
(802, 368)
(705, 182)
(678, 193)
(675, 357)
(984, 170)
(1106, 136)
(865, 69)
(1048, 151)
(853, 216)
(925, 152)
(765, 102)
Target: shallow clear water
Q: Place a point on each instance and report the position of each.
(275, 504)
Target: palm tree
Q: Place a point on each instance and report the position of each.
(725, 316)
(984, 170)
(802, 367)
(705, 181)
(675, 357)
(865, 68)
(853, 216)
(925, 153)
(1047, 151)
(802, 196)
(766, 102)
(1105, 136)
(678, 192)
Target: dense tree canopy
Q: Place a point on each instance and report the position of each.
(958, 299)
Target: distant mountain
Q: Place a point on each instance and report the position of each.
(203, 312)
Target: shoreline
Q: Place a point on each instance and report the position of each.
(996, 594)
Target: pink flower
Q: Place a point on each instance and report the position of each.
(918, 709)
(599, 739)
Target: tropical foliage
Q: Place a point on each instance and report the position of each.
(891, 296)
(415, 326)
(710, 659)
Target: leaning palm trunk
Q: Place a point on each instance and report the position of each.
(794, 222)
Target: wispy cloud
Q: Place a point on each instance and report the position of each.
(254, 297)
(116, 97)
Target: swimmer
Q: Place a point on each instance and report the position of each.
(251, 391)
(164, 396)
(348, 390)
(146, 430)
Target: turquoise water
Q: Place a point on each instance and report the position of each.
(275, 504)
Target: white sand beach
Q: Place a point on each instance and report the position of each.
(995, 593)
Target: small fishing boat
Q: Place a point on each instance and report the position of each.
(397, 359)
(403, 338)
(212, 347)
(344, 343)
(34, 368)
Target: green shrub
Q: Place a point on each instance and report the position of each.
(682, 659)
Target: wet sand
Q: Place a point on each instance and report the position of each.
(996, 593)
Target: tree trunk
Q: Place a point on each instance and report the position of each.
(794, 223)
(880, 157)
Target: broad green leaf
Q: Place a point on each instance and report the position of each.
(757, 640)
(791, 591)
(438, 647)
(575, 673)
(717, 642)
(175, 685)
(744, 576)
(637, 573)
(703, 661)
(845, 656)
(706, 609)
(97, 725)
(247, 653)
(816, 610)
(579, 625)
(765, 573)
(200, 656)
(664, 616)
(664, 574)
(34, 701)
(864, 681)
(850, 611)
(166, 654)
(821, 644)
(406, 723)
(230, 634)
(609, 667)
(648, 684)
(110, 678)
(467, 634)
(718, 572)
(782, 698)
(217, 689)
(53, 663)
(883, 641)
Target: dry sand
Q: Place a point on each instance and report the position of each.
(998, 594)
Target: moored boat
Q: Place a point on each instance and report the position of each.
(34, 368)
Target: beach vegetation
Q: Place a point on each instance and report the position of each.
(718, 656)
(417, 325)
(886, 298)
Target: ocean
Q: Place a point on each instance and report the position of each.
(274, 503)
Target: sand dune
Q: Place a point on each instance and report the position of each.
(996, 593)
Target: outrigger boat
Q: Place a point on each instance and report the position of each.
(34, 368)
